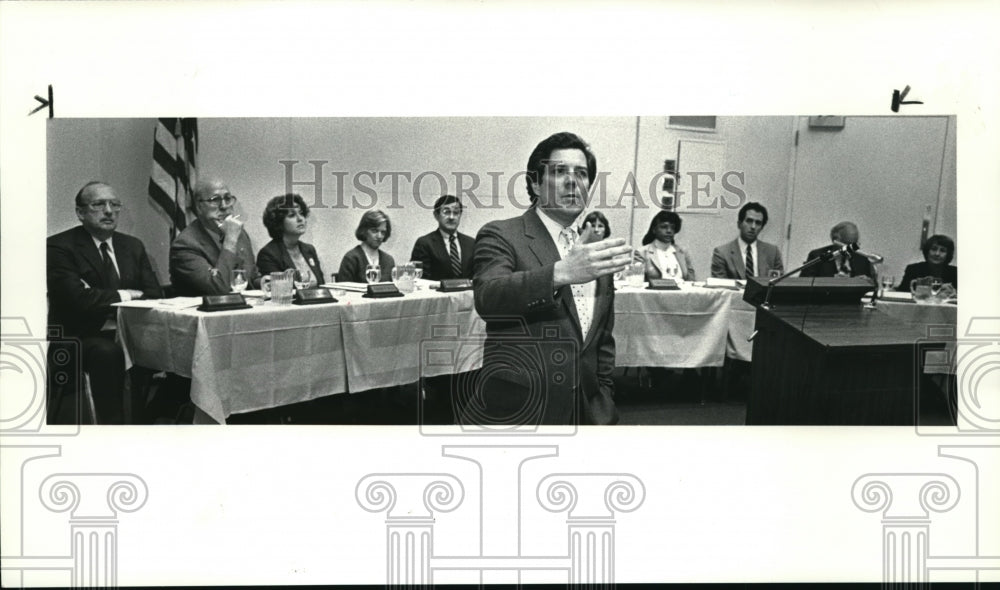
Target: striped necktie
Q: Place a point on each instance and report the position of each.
(456, 260)
(749, 262)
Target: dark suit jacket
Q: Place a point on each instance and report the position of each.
(922, 269)
(274, 257)
(352, 267)
(196, 251)
(727, 260)
(72, 259)
(860, 266)
(535, 328)
(433, 252)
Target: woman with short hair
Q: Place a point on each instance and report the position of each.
(373, 230)
(661, 252)
(285, 218)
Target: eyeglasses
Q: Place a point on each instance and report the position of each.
(227, 200)
(98, 206)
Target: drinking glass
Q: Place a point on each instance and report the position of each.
(303, 278)
(773, 273)
(239, 280)
(887, 282)
(373, 273)
(935, 286)
(636, 274)
(418, 272)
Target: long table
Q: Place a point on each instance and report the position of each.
(270, 355)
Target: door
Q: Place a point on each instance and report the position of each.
(882, 173)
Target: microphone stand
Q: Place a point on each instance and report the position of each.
(826, 256)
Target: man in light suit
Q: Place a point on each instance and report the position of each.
(547, 297)
(203, 256)
(839, 265)
(88, 268)
(746, 255)
(445, 252)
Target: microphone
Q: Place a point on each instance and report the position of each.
(849, 248)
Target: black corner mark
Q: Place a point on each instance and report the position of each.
(897, 99)
(45, 103)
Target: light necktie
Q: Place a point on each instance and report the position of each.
(114, 281)
(845, 265)
(456, 260)
(749, 262)
(584, 304)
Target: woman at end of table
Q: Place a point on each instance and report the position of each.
(939, 251)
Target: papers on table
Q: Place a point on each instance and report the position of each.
(714, 283)
(356, 287)
(896, 296)
(175, 303)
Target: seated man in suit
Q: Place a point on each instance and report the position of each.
(88, 268)
(547, 297)
(204, 255)
(746, 256)
(445, 252)
(839, 265)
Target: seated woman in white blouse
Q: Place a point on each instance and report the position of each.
(662, 255)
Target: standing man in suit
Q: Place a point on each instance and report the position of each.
(839, 265)
(88, 268)
(203, 256)
(445, 253)
(547, 297)
(746, 256)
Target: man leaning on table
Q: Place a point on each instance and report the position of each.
(88, 268)
(547, 297)
(204, 255)
(747, 256)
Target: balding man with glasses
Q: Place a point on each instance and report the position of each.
(88, 268)
(204, 255)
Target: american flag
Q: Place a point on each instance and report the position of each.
(175, 148)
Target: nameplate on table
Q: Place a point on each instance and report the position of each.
(450, 285)
(382, 290)
(313, 296)
(227, 302)
(663, 285)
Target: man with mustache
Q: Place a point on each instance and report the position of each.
(88, 268)
(547, 297)
(203, 256)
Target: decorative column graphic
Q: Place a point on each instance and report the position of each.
(591, 501)
(409, 501)
(906, 501)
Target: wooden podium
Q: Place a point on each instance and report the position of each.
(832, 364)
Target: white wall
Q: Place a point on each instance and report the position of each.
(759, 147)
(246, 153)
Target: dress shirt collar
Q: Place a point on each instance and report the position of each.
(554, 227)
(743, 249)
(109, 242)
(447, 236)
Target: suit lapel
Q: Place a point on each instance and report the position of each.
(125, 274)
(545, 251)
(88, 250)
(737, 259)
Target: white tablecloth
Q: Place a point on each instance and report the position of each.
(268, 356)
(681, 329)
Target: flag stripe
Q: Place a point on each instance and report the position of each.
(173, 172)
